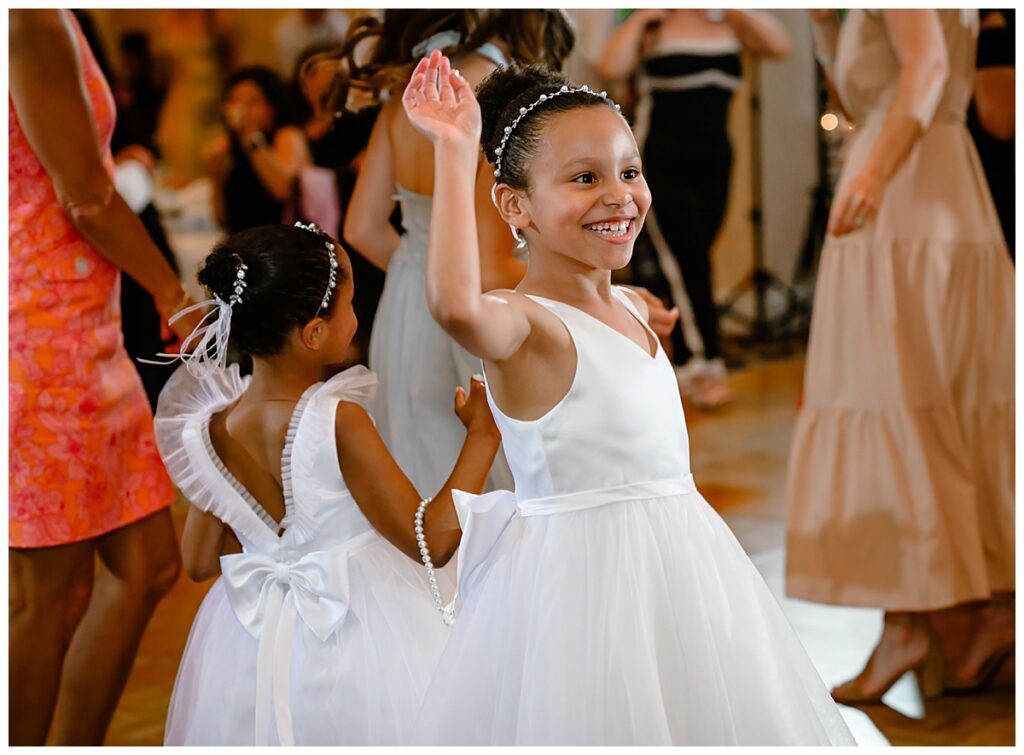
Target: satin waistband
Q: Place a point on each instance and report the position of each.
(590, 499)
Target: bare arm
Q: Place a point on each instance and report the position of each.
(389, 500)
(995, 101)
(759, 32)
(917, 38)
(53, 111)
(204, 540)
(278, 165)
(825, 37)
(490, 327)
(367, 219)
(622, 50)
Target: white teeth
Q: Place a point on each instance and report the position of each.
(613, 229)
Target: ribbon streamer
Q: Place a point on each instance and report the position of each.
(204, 350)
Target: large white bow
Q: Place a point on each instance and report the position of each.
(268, 596)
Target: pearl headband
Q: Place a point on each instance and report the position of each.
(523, 111)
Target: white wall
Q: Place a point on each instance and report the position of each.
(788, 146)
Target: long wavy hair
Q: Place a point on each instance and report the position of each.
(533, 36)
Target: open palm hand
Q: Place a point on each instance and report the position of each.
(440, 103)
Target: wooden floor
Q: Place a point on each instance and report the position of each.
(739, 462)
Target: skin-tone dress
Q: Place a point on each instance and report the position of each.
(83, 459)
(901, 476)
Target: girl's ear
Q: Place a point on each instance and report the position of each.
(511, 206)
(313, 333)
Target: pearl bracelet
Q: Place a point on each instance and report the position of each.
(447, 614)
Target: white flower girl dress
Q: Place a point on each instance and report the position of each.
(605, 602)
(324, 634)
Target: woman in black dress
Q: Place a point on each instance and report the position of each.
(255, 166)
(687, 66)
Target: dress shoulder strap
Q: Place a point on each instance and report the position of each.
(493, 53)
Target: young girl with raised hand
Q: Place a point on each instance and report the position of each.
(604, 602)
(319, 631)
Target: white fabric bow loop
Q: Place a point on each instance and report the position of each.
(483, 519)
(268, 597)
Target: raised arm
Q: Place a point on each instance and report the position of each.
(441, 105)
(368, 228)
(622, 50)
(759, 32)
(277, 165)
(384, 493)
(917, 38)
(49, 98)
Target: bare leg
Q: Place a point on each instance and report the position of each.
(993, 634)
(50, 590)
(906, 643)
(141, 564)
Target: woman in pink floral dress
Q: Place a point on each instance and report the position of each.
(85, 476)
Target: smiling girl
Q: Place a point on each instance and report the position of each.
(604, 602)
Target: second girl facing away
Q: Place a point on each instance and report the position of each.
(604, 601)
(320, 631)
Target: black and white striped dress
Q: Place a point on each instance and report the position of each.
(681, 123)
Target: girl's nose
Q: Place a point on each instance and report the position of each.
(618, 196)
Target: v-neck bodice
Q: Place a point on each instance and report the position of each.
(620, 422)
(319, 510)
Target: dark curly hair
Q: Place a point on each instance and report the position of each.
(288, 273)
(532, 36)
(502, 94)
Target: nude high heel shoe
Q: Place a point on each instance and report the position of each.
(928, 674)
(985, 674)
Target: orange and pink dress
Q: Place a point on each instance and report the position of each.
(82, 455)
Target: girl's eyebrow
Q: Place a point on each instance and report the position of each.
(588, 160)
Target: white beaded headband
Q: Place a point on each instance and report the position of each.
(332, 279)
(523, 111)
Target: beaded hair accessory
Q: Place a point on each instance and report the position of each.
(204, 350)
(524, 111)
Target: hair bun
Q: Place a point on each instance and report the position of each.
(220, 271)
(505, 91)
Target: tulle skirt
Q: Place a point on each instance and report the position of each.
(641, 622)
(363, 686)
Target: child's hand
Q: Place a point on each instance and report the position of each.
(440, 103)
(661, 319)
(473, 410)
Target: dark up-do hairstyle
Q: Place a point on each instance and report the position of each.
(502, 94)
(532, 36)
(288, 272)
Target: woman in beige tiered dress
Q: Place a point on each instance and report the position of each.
(901, 477)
